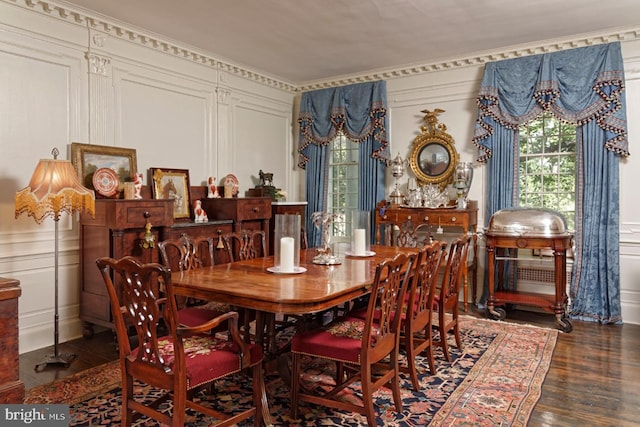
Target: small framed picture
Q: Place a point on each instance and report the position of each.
(88, 158)
(172, 184)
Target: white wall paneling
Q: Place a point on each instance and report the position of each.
(262, 135)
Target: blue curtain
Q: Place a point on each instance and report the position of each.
(584, 86)
(360, 112)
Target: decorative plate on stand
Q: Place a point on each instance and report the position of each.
(106, 182)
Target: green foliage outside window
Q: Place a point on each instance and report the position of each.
(547, 169)
(343, 183)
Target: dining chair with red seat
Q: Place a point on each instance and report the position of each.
(417, 316)
(447, 296)
(187, 253)
(357, 346)
(417, 311)
(179, 361)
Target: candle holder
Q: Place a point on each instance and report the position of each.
(286, 245)
(323, 221)
(360, 234)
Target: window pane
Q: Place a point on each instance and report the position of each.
(547, 165)
(343, 185)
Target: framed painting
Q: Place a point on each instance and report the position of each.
(172, 184)
(88, 158)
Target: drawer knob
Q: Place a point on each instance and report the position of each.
(426, 218)
(453, 219)
(256, 210)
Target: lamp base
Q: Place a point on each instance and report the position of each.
(64, 359)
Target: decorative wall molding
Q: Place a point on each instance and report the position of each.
(478, 60)
(98, 64)
(154, 42)
(76, 17)
(223, 95)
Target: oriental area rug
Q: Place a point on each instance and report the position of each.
(495, 380)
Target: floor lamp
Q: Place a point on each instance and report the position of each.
(54, 188)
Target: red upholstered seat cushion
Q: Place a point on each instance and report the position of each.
(339, 340)
(207, 358)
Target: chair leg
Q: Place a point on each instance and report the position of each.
(367, 395)
(179, 407)
(262, 417)
(411, 360)
(295, 384)
(442, 327)
(456, 327)
(127, 393)
(429, 350)
(395, 382)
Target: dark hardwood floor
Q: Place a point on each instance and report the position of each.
(593, 380)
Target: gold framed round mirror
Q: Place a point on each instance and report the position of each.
(433, 155)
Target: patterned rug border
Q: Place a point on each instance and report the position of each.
(455, 410)
(78, 387)
(479, 390)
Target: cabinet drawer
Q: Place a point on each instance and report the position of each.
(254, 209)
(133, 216)
(448, 218)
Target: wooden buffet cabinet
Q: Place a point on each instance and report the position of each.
(464, 219)
(11, 387)
(118, 229)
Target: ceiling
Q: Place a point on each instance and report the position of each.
(306, 41)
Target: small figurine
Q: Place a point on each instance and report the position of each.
(213, 188)
(137, 182)
(266, 179)
(201, 215)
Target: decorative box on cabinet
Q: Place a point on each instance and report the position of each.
(116, 231)
(248, 213)
(11, 387)
(285, 208)
(464, 219)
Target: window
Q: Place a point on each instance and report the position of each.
(342, 197)
(547, 167)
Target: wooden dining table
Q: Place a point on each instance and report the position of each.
(249, 284)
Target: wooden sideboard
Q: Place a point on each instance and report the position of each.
(286, 208)
(11, 387)
(466, 220)
(116, 231)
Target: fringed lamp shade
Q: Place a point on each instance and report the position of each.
(54, 188)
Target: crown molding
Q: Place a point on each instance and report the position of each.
(479, 59)
(156, 42)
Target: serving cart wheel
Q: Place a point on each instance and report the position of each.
(564, 324)
(497, 313)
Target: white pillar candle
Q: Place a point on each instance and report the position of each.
(359, 241)
(286, 254)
